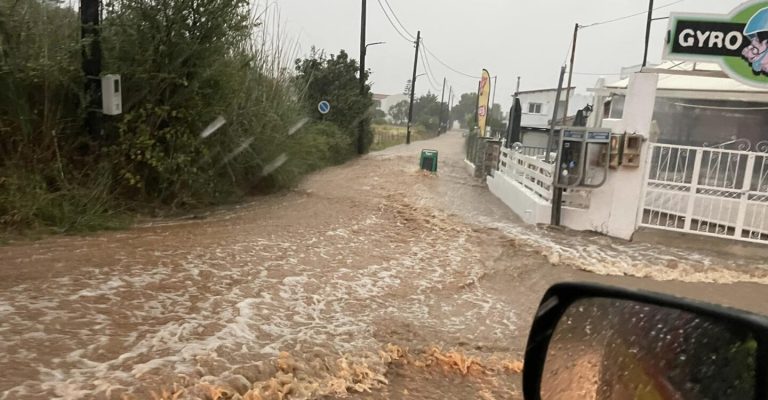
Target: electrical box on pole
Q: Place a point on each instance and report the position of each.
(111, 95)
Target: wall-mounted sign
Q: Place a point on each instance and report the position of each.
(738, 41)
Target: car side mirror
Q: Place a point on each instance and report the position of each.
(599, 343)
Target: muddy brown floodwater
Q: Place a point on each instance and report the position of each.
(370, 280)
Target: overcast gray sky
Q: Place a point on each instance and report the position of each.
(526, 38)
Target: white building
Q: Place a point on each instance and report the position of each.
(538, 106)
(697, 161)
(385, 102)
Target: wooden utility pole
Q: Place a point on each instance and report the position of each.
(570, 74)
(450, 108)
(557, 193)
(413, 88)
(553, 123)
(361, 126)
(91, 64)
(442, 102)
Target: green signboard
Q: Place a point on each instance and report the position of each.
(738, 41)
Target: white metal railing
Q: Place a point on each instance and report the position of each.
(536, 175)
(708, 191)
(530, 172)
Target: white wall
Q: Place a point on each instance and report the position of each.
(530, 208)
(614, 207)
(547, 99)
(535, 139)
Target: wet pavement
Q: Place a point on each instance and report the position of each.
(371, 279)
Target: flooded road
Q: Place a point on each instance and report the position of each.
(370, 279)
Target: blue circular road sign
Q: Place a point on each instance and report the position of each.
(324, 107)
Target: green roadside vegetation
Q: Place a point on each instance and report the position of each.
(427, 117)
(184, 66)
(388, 135)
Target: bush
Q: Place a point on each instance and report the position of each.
(183, 65)
(320, 145)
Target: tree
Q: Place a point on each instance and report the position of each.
(496, 120)
(379, 117)
(465, 110)
(334, 79)
(399, 112)
(426, 111)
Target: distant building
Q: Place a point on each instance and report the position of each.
(384, 101)
(538, 109)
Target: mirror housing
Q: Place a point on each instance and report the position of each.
(563, 301)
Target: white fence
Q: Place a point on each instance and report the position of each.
(536, 175)
(712, 192)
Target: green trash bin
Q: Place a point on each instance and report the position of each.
(428, 161)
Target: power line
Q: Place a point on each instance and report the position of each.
(629, 16)
(394, 14)
(568, 53)
(411, 40)
(446, 65)
(432, 85)
(429, 77)
(430, 72)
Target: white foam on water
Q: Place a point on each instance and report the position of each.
(214, 310)
(604, 256)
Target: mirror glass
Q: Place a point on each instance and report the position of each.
(616, 349)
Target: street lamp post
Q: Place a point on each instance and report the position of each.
(372, 44)
(363, 54)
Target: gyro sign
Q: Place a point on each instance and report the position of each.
(738, 41)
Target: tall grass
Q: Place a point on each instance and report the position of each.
(386, 135)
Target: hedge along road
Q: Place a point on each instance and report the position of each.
(368, 276)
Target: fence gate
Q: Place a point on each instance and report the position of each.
(707, 191)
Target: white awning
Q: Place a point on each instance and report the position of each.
(689, 80)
